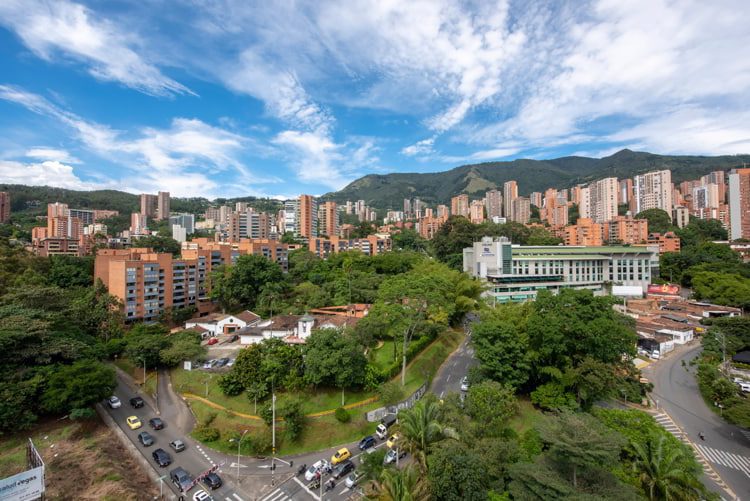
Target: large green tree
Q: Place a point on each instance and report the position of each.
(663, 470)
(457, 473)
(77, 386)
(334, 358)
(659, 221)
(240, 285)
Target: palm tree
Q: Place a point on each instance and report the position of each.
(420, 427)
(664, 470)
(406, 484)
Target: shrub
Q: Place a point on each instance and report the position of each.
(82, 413)
(391, 393)
(230, 384)
(206, 434)
(342, 415)
(209, 419)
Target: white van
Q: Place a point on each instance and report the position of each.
(745, 387)
(382, 429)
(655, 354)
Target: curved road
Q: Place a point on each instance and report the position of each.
(726, 447)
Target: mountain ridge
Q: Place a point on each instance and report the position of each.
(387, 191)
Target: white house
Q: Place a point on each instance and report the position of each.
(220, 323)
(292, 328)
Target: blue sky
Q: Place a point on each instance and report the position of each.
(235, 98)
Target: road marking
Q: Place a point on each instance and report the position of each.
(305, 487)
(277, 495)
(448, 379)
(368, 451)
(734, 461)
(441, 394)
(234, 494)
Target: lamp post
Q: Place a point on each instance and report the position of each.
(239, 444)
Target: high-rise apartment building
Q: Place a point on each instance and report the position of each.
(187, 221)
(476, 212)
(510, 193)
(138, 223)
(706, 196)
(584, 203)
(536, 198)
(681, 216)
(57, 210)
(584, 232)
(626, 230)
(493, 203)
(739, 203)
(307, 216)
(625, 194)
(653, 190)
(408, 214)
(603, 195)
(149, 205)
(4, 206)
(328, 218)
(442, 211)
(719, 179)
(162, 206)
(460, 205)
(521, 209)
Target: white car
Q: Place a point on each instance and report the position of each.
(655, 355)
(207, 364)
(745, 387)
(465, 384)
(114, 402)
(351, 480)
(202, 495)
(315, 468)
(230, 363)
(738, 380)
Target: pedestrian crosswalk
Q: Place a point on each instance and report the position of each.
(666, 422)
(277, 495)
(724, 458)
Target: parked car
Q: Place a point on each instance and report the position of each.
(391, 442)
(318, 466)
(133, 422)
(230, 363)
(341, 455)
(212, 480)
(391, 455)
(156, 423)
(352, 480)
(137, 402)
(343, 468)
(213, 341)
(367, 442)
(234, 338)
(202, 495)
(738, 380)
(655, 355)
(114, 402)
(207, 364)
(162, 457)
(145, 438)
(465, 384)
(177, 445)
(181, 478)
(222, 362)
(745, 387)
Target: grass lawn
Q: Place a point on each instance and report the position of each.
(383, 356)
(319, 432)
(528, 417)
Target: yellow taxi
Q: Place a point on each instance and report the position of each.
(341, 456)
(134, 423)
(392, 440)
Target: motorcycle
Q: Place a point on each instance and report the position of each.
(301, 469)
(330, 485)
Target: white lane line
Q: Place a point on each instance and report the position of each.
(278, 497)
(234, 494)
(448, 379)
(274, 493)
(311, 493)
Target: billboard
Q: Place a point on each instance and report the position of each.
(25, 486)
(627, 290)
(664, 289)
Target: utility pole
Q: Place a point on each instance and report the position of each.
(273, 438)
(239, 444)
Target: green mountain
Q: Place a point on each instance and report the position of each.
(389, 191)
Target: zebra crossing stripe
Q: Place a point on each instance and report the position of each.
(727, 459)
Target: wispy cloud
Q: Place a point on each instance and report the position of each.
(47, 173)
(66, 30)
(42, 153)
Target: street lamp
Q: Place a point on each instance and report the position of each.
(239, 444)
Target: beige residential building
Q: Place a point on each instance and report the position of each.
(653, 190)
(493, 203)
(510, 193)
(460, 205)
(521, 210)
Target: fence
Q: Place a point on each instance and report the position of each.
(378, 414)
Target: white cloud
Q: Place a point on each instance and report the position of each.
(42, 153)
(180, 159)
(422, 147)
(48, 173)
(314, 157)
(70, 29)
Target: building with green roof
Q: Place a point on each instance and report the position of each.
(517, 273)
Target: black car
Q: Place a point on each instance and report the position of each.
(137, 402)
(222, 362)
(367, 442)
(212, 480)
(156, 423)
(145, 438)
(234, 338)
(343, 469)
(162, 457)
(181, 478)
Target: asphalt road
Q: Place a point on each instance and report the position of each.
(194, 458)
(726, 447)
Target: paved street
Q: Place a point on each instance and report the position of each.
(195, 459)
(726, 447)
(449, 376)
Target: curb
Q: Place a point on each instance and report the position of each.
(132, 450)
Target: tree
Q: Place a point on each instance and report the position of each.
(70, 271)
(722, 288)
(457, 473)
(405, 484)
(577, 441)
(491, 403)
(541, 236)
(145, 343)
(420, 427)
(662, 470)
(533, 481)
(185, 345)
(502, 347)
(407, 239)
(77, 386)
(334, 358)
(159, 244)
(659, 221)
(240, 285)
(371, 464)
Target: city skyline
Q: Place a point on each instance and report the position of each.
(245, 100)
